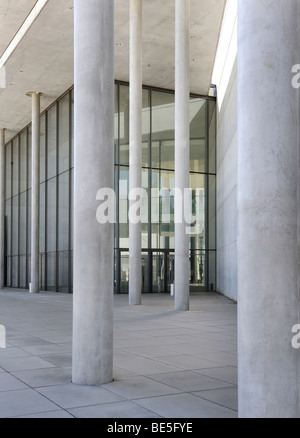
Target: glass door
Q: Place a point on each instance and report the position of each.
(162, 271)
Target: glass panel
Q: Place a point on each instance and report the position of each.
(43, 271)
(23, 161)
(212, 137)
(144, 212)
(15, 167)
(167, 183)
(196, 226)
(29, 269)
(29, 222)
(71, 271)
(167, 155)
(163, 122)
(158, 272)
(29, 152)
(155, 209)
(42, 217)
(146, 128)
(124, 125)
(63, 211)
(145, 272)
(51, 271)
(22, 268)
(8, 272)
(71, 208)
(43, 148)
(15, 225)
(63, 271)
(64, 134)
(212, 270)
(171, 268)
(116, 271)
(197, 270)
(51, 142)
(51, 215)
(8, 227)
(15, 271)
(72, 129)
(116, 123)
(123, 207)
(197, 135)
(116, 226)
(124, 272)
(8, 171)
(212, 212)
(23, 223)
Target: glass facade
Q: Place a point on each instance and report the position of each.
(158, 179)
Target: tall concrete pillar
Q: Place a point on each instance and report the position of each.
(94, 170)
(35, 194)
(268, 202)
(182, 151)
(2, 204)
(135, 149)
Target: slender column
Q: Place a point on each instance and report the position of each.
(35, 194)
(94, 170)
(268, 182)
(182, 152)
(2, 204)
(135, 153)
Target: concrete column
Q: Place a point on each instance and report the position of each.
(94, 170)
(2, 204)
(35, 194)
(182, 151)
(268, 200)
(135, 149)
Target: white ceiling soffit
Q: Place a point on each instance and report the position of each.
(43, 60)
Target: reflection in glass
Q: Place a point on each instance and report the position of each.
(124, 280)
(198, 135)
(63, 271)
(51, 141)
(51, 271)
(8, 227)
(42, 217)
(14, 272)
(158, 179)
(15, 226)
(124, 125)
(8, 171)
(212, 136)
(23, 223)
(23, 161)
(64, 134)
(51, 215)
(15, 167)
(63, 211)
(162, 130)
(43, 148)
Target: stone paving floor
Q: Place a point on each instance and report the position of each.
(167, 364)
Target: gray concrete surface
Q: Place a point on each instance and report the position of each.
(167, 364)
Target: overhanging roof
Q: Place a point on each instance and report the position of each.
(43, 60)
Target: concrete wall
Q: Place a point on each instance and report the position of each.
(227, 190)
